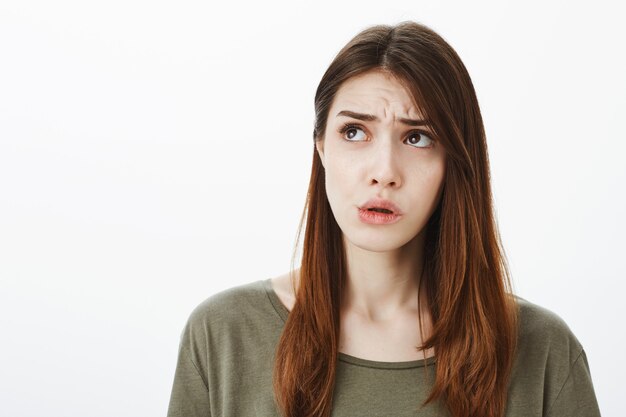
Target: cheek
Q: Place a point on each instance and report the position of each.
(334, 178)
(435, 186)
(428, 184)
(339, 181)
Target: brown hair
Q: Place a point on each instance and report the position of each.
(468, 287)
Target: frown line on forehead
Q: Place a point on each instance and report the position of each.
(373, 118)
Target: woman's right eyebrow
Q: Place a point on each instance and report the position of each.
(373, 118)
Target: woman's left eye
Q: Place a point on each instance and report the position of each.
(429, 141)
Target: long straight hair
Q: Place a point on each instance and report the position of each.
(468, 287)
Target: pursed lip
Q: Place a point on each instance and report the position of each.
(381, 203)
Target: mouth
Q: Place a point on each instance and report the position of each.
(381, 205)
(378, 215)
(380, 210)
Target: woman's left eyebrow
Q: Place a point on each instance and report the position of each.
(372, 118)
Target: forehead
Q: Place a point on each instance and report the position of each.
(375, 92)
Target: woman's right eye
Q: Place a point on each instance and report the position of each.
(349, 132)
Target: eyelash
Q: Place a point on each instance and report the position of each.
(348, 126)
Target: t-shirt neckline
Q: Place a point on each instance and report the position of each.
(283, 312)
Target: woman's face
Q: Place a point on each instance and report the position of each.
(382, 157)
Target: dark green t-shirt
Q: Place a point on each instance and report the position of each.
(226, 355)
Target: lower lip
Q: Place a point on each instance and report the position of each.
(374, 217)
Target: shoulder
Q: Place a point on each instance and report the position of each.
(544, 338)
(221, 322)
(551, 371)
(226, 305)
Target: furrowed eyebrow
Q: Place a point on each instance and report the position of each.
(372, 118)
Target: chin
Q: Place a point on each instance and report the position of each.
(374, 241)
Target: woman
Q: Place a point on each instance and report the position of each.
(402, 305)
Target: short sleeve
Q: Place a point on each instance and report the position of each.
(190, 393)
(577, 397)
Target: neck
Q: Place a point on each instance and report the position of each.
(383, 285)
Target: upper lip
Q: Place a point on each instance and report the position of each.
(381, 203)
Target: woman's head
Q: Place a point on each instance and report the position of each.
(402, 71)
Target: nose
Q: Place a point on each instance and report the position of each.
(385, 165)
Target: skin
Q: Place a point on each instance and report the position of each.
(390, 160)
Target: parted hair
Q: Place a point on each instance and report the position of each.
(468, 287)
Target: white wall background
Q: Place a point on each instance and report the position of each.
(153, 153)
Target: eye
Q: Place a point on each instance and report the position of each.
(421, 135)
(349, 128)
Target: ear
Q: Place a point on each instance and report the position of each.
(319, 145)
